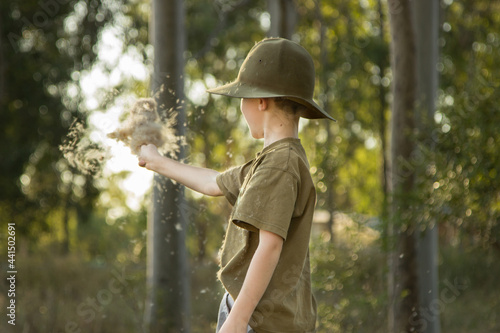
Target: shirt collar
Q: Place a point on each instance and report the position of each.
(278, 143)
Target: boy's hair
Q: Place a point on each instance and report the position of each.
(289, 106)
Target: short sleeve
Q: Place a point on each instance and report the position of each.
(230, 181)
(267, 202)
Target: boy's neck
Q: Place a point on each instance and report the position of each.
(279, 127)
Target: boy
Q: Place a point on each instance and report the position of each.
(265, 256)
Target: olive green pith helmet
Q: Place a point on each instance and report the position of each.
(277, 67)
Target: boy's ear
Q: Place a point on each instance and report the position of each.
(263, 104)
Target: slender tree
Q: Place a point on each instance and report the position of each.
(383, 62)
(403, 279)
(426, 25)
(413, 261)
(167, 307)
(327, 162)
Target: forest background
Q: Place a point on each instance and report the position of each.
(81, 224)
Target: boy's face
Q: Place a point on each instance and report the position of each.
(251, 109)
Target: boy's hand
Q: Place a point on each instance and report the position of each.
(147, 154)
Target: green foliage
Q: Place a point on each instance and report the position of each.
(351, 56)
(349, 280)
(48, 44)
(464, 194)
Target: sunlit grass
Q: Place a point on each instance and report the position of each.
(70, 293)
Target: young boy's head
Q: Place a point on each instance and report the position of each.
(280, 69)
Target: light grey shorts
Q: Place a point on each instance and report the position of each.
(225, 307)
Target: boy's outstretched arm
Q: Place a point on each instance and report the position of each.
(198, 179)
(256, 282)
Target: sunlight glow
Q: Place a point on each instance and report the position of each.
(125, 65)
(139, 180)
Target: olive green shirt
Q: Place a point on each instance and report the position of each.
(273, 192)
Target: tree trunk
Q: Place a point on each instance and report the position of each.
(327, 164)
(283, 18)
(167, 307)
(426, 24)
(403, 278)
(382, 64)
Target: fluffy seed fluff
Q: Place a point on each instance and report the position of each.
(81, 153)
(143, 126)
